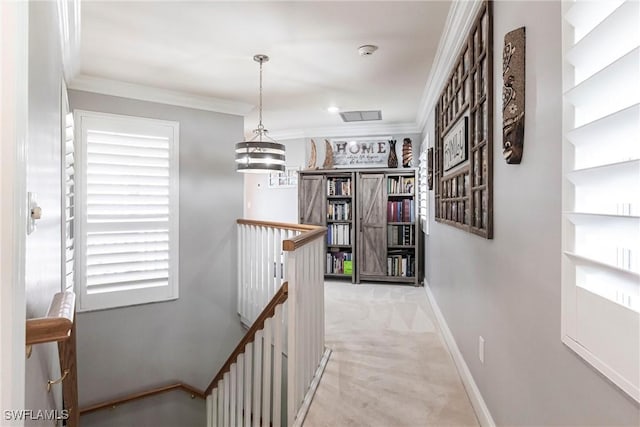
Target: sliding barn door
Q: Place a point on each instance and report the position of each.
(372, 216)
(311, 198)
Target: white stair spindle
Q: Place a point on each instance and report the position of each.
(266, 374)
(257, 378)
(277, 366)
(209, 410)
(225, 417)
(232, 395)
(248, 388)
(240, 390)
(220, 403)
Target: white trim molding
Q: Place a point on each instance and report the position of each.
(458, 24)
(354, 130)
(14, 95)
(69, 33)
(480, 407)
(154, 94)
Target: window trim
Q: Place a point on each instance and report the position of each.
(118, 299)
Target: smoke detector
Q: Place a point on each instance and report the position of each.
(367, 49)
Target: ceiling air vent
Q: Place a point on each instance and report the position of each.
(361, 116)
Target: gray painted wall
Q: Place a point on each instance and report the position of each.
(274, 204)
(508, 289)
(43, 247)
(134, 348)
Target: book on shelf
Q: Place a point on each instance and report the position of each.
(400, 235)
(339, 234)
(400, 185)
(401, 263)
(339, 263)
(339, 211)
(339, 187)
(401, 210)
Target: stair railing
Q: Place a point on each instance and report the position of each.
(253, 388)
(58, 326)
(262, 263)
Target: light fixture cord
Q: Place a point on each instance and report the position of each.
(260, 125)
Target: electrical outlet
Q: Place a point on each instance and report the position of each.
(481, 349)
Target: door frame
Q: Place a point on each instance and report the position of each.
(14, 95)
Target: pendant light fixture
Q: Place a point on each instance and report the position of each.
(261, 154)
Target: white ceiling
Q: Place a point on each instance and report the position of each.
(206, 49)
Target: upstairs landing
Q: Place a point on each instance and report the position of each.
(390, 366)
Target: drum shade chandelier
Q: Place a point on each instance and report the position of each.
(261, 154)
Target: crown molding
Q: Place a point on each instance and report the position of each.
(69, 28)
(459, 21)
(352, 130)
(162, 96)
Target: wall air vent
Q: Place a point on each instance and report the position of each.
(361, 116)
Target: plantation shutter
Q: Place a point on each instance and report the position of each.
(130, 210)
(69, 204)
(601, 190)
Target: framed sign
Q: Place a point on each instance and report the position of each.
(455, 143)
(360, 152)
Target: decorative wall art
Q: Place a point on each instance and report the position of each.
(513, 76)
(430, 168)
(463, 169)
(407, 153)
(328, 156)
(286, 179)
(392, 161)
(360, 152)
(313, 158)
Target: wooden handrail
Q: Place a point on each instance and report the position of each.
(298, 241)
(141, 395)
(269, 310)
(285, 225)
(57, 324)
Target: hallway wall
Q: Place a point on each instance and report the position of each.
(508, 289)
(43, 246)
(124, 350)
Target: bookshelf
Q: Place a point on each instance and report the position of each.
(327, 199)
(370, 215)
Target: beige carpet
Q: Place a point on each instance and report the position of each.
(389, 367)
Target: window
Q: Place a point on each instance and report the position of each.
(127, 210)
(68, 191)
(423, 188)
(601, 197)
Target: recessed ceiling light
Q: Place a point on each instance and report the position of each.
(333, 110)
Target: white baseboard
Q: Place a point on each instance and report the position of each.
(479, 406)
(315, 382)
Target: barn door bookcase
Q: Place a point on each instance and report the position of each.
(370, 215)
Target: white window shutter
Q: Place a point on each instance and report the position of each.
(601, 189)
(129, 210)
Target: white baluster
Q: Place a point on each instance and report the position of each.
(240, 390)
(257, 378)
(277, 366)
(220, 403)
(266, 374)
(248, 364)
(226, 400)
(232, 395)
(209, 410)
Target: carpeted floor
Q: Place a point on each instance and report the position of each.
(390, 366)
